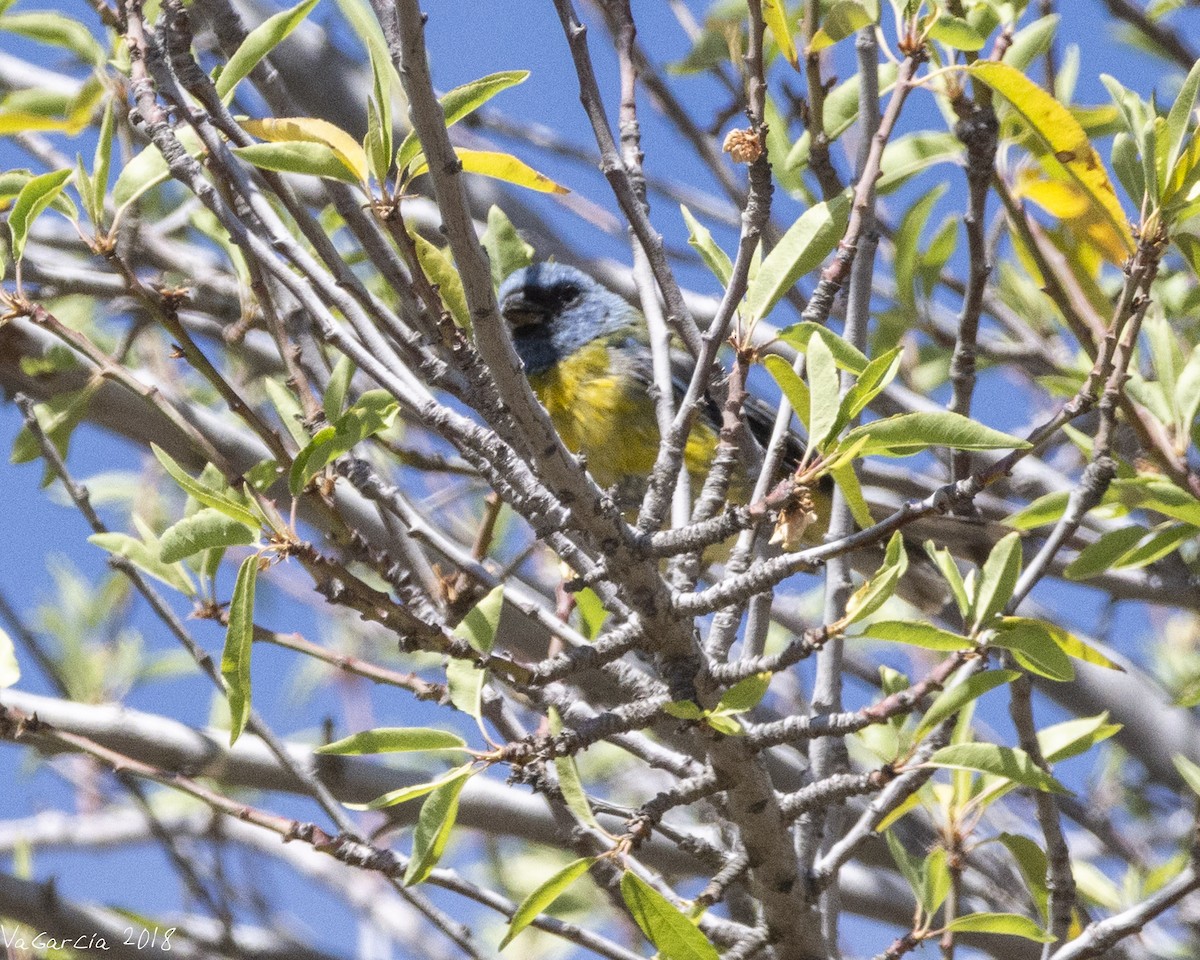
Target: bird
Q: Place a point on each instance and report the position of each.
(586, 353)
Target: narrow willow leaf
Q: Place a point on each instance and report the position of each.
(845, 354)
(936, 884)
(204, 494)
(948, 568)
(823, 384)
(1061, 741)
(910, 867)
(1189, 771)
(1062, 134)
(1032, 41)
(506, 250)
(1101, 556)
(499, 166)
(775, 16)
(291, 130)
(404, 794)
(544, 896)
(684, 710)
(795, 389)
(434, 825)
(34, 197)
(440, 271)
(569, 782)
(910, 433)
(916, 634)
(879, 589)
(1008, 762)
(338, 389)
(394, 740)
(951, 700)
(101, 165)
(465, 683)
(1074, 647)
(206, 529)
(673, 935)
(145, 559)
(997, 579)
(372, 413)
(1009, 924)
(480, 624)
(1031, 861)
(460, 102)
(745, 694)
(301, 157)
(872, 380)
(701, 240)
(800, 250)
(239, 640)
(53, 28)
(1044, 510)
(258, 43)
(847, 481)
(956, 33)
(1033, 646)
(843, 18)
(10, 671)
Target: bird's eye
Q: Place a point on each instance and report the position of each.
(569, 293)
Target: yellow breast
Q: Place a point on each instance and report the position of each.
(609, 417)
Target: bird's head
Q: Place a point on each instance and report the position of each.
(553, 310)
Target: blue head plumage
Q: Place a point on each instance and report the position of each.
(553, 310)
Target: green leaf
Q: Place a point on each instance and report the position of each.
(794, 389)
(843, 18)
(34, 197)
(298, 156)
(101, 164)
(684, 710)
(569, 782)
(824, 386)
(544, 896)
(10, 671)
(479, 626)
(434, 825)
(592, 614)
(465, 682)
(936, 886)
(338, 389)
(745, 694)
(310, 130)
(1061, 741)
(870, 383)
(372, 413)
(799, 251)
(847, 481)
(440, 271)
(145, 559)
(1031, 861)
(404, 794)
(907, 434)
(879, 589)
(258, 43)
(239, 640)
(1009, 924)
(1101, 556)
(701, 240)
(916, 634)
(1189, 771)
(946, 565)
(506, 250)
(956, 33)
(997, 579)
(1072, 646)
(1180, 116)
(955, 697)
(673, 935)
(1033, 646)
(910, 867)
(1006, 762)
(204, 494)
(1032, 41)
(394, 740)
(1045, 509)
(205, 530)
(845, 354)
(52, 27)
(724, 724)
(460, 102)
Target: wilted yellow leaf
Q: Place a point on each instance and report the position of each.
(1066, 199)
(310, 130)
(1065, 138)
(775, 16)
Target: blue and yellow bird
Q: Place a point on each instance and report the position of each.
(587, 356)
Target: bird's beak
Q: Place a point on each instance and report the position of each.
(519, 311)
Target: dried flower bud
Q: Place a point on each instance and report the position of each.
(794, 520)
(744, 146)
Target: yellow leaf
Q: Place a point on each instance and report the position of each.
(310, 130)
(1063, 197)
(500, 166)
(775, 16)
(1065, 138)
